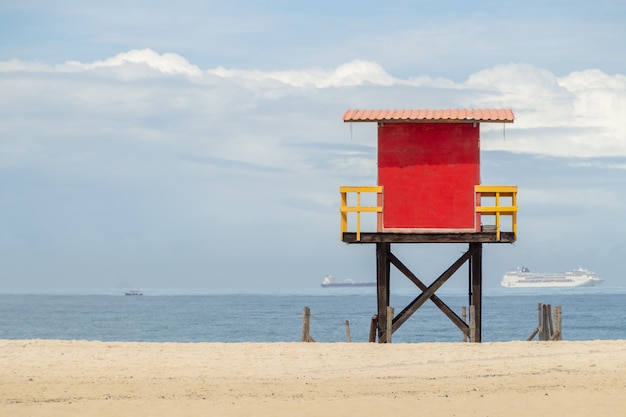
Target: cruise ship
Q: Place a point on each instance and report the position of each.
(523, 278)
(330, 282)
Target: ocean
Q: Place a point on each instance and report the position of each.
(276, 315)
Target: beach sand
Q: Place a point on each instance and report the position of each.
(81, 378)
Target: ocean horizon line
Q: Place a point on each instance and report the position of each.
(304, 291)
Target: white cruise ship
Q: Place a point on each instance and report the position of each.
(331, 282)
(523, 278)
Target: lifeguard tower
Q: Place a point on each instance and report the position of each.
(429, 191)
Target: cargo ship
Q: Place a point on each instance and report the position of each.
(523, 278)
(330, 282)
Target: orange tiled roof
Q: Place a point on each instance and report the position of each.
(425, 115)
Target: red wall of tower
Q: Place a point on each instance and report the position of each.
(428, 171)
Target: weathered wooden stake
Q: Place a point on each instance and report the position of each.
(550, 322)
(373, 328)
(544, 323)
(557, 324)
(472, 323)
(389, 324)
(348, 331)
(539, 319)
(549, 327)
(464, 317)
(533, 334)
(539, 328)
(306, 320)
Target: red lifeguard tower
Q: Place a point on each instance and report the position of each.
(429, 191)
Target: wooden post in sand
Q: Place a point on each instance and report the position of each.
(306, 320)
(540, 323)
(389, 324)
(472, 323)
(548, 327)
(544, 334)
(348, 332)
(539, 328)
(373, 328)
(464, 318)
(546, 322)
(550, 322)
(557, 324)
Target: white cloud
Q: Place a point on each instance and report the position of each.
(167, 63)
(579, 115)
(354, 73)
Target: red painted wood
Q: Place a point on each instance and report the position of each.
(428, 171)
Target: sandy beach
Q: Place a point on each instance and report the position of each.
(80, 378)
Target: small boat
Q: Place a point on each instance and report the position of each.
(134, 292)
(330, 282)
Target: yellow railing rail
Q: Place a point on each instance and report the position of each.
(357, 208)
(494, 192)
(498, 210)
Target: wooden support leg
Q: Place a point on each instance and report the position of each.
(476, 287)
(382, 284)
(384, 260)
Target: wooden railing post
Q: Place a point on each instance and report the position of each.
(358, 209)
(498, 210)
(344, 214)
(379, 215)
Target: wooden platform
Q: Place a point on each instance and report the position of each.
(476, 237)
(386, 322)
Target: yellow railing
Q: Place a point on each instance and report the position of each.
(494, 192)
(358, 209)
(498, 210)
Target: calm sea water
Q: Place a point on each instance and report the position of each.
(276, 316)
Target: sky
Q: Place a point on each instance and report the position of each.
(200, 144)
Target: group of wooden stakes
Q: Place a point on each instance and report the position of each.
(548, 325)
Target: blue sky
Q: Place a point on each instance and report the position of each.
(200, 144)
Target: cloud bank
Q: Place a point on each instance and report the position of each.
(144, 164)
(579, 115)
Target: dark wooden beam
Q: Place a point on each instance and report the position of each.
(382, 285)
(476, 296)
(458, 321)
(422, 298)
